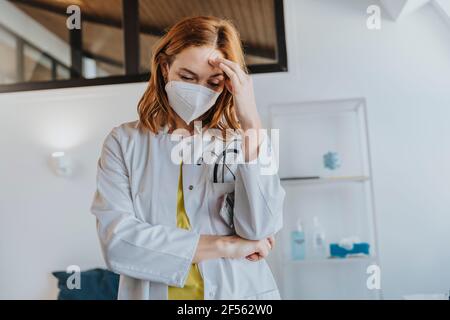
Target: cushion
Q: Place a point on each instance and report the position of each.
(96, 284)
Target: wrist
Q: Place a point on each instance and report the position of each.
(250, 144)
(224, 245)
(248, 124)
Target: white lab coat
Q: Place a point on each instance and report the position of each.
(135, 207)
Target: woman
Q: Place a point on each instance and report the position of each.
(170, 228)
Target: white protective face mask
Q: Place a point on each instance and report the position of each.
(190, 100)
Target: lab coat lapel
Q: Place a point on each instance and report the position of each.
(168, 174)
(194, 186)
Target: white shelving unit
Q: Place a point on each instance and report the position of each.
(342, 198)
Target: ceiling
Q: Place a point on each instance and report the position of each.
(102, 20)
(400, 8)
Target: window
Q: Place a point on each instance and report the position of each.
(114, 43)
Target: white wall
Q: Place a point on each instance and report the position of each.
(402, 70)
(45, 223)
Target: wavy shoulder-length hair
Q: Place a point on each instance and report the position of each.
(153, 107)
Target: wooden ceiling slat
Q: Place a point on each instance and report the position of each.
(268, 17)
(253, 18)
(247, 15)
(110, 9)
(209, 7)
(164, 12)
(252, 13)
(234, 15)
(241, 8)
(104, 41)
(224, 9)
(183, 7)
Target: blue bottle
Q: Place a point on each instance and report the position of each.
(298, 245)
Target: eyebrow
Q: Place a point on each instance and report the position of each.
(193, 73)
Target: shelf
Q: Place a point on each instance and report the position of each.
(320, 180)
(342, 198)
(329, 261)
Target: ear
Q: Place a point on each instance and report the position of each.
(228, 85)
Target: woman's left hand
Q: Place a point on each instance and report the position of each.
(240, 84)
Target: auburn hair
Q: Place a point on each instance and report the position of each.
(153, 107)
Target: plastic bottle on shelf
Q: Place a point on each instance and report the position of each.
(319, 245)
(298, 249)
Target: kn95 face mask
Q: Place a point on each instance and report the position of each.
(190, 100)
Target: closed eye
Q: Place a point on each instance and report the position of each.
(186, 78)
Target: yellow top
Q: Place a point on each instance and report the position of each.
(193, 288)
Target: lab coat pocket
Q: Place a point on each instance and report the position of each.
(227, 209)
(222, 207)
(222, 187)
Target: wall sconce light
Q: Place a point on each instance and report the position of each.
(61, 163)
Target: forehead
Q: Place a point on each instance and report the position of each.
(197, 60)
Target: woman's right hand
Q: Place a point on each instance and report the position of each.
(236, 247)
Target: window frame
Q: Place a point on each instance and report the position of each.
(131, 45)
